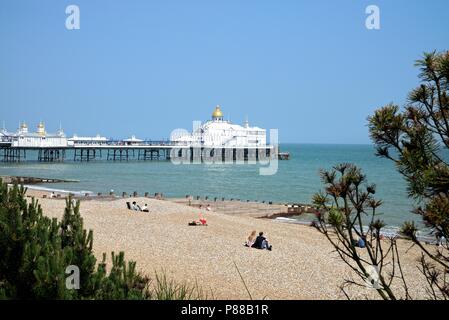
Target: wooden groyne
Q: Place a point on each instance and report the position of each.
(253, 208)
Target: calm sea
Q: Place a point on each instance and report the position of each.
(296, 180)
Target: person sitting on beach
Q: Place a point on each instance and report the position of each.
(440, 238)
(251, 239)
(135, 206)
(52, 194)
(261, 242)
(359, 243)
(145, 208)
(208, 208)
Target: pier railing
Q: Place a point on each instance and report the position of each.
(118, 143)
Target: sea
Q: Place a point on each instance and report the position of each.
(296, 180)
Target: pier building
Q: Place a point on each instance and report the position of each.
(218, 132)
(41, 138)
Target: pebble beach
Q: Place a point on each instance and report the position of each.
(302, 264)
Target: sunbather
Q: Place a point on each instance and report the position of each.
(201, 222)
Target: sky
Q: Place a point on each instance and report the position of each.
(310, 69)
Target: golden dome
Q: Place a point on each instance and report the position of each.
(217, 112)
(41, 129)
(23, 125)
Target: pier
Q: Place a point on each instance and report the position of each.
(119, 150)
(214, 141)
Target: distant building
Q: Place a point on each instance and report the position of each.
(87, 140)
(132, 141)
(5, 137)
(218, 132)
(40, 138)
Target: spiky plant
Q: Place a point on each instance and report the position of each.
(416, 139)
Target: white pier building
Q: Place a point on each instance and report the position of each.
(39, 139)
(218, 132)
(97, 140)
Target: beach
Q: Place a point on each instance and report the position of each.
(302, 264)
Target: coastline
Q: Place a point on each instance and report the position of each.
(302, 264)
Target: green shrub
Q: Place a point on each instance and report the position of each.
(36, 250)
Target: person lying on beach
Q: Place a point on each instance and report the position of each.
(198, 223)
(261, 242)
(201, 222)
(251, 239)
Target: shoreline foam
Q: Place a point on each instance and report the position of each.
(63, 191)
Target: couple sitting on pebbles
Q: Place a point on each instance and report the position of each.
(134, 206)
(259, 242)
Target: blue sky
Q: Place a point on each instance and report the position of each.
(309, 68)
